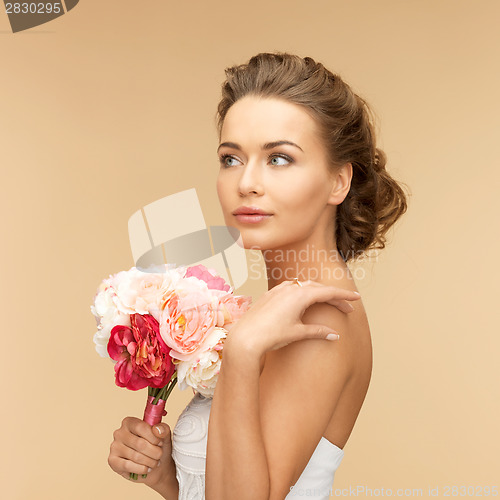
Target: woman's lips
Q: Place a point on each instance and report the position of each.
(252, 218)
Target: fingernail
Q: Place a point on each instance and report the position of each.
(159, 429)
(358, 294)
(149, 469)
(159, 462)
(160, 443)
(332, 336)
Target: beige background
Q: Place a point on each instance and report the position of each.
(111, 107)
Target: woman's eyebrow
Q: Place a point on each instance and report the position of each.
(268, 145)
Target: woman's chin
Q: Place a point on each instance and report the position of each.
(249, 243)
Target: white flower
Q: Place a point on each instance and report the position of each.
(103, 307)
(101, 339)
(141, 292)
(107, 316)
(103, 333)
(201, 373)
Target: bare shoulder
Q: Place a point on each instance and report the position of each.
(352, 350)
(354, 347)
(339, 358)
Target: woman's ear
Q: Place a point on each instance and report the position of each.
(341, 184)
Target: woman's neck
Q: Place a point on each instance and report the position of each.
(306, 262)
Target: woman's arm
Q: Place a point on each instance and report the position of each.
(263, 430)
(236, 459)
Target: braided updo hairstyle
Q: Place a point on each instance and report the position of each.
(375, 200)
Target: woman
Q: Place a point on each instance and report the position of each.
(298, 145)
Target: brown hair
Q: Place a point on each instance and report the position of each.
(375, 200)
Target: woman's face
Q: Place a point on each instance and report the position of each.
(291, 182)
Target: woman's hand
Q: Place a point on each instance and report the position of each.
(274, 320)
(138, 447)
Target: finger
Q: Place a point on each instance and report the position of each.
(123, 462)
(130, 467)
(342, 305)
(140, 459)
(320, 332)
(144, 430)
(165, 441)
(142, 447)
(162, 432)
(344, 293)
(327, 294)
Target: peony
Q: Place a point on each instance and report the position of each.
(201, 373)
(141, 292)
(234, 306)
(218, 287)
(107, 315)
(103, 308)
(142, 360)
(209, 276)
(187, 317)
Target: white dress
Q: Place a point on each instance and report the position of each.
(189, 451)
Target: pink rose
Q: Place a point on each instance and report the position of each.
(209, 276)
(187, 318)
(142, 357)
(232, 307)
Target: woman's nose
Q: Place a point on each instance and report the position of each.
(251, 178)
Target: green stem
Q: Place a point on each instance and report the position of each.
(155, 400)
(169, 390)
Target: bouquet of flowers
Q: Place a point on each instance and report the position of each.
(163, 326)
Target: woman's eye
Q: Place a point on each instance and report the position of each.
(280, 157)
(223, 160)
